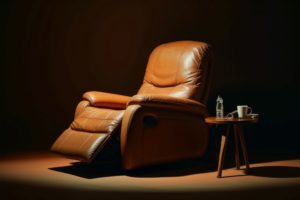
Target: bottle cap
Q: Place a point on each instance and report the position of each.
(220, 99)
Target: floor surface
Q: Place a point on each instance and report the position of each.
(48, 176)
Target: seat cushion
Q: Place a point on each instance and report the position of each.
(98, 120)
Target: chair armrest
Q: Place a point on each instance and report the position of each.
(167, 102)
(108, 100)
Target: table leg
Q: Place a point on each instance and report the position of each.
(244, 149)
(224, 141)
(236, 142)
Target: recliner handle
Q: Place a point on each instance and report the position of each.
(150, 120)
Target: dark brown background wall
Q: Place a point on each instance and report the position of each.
(54, 51)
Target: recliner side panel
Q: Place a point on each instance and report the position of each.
(152, 136)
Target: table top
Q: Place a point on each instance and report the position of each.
(229, 120)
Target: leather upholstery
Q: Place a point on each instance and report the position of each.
(106, 100)
(167, 102)
(178, 69)
(92, 126)
(175, 135)
(82, 145)
(80, 107)
(164, 122)
(97, 120)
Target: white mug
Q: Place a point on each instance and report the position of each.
(243, 111)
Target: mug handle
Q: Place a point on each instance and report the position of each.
(249, 108)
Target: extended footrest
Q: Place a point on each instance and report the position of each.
(88, 133)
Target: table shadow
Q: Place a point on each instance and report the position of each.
(275, 171)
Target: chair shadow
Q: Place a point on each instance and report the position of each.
(275, 171)
(90, 171)
(105, 169)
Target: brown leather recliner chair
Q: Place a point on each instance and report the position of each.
(164, 122)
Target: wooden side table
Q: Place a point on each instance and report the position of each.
(237, 125)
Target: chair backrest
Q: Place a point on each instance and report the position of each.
(179, 69)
